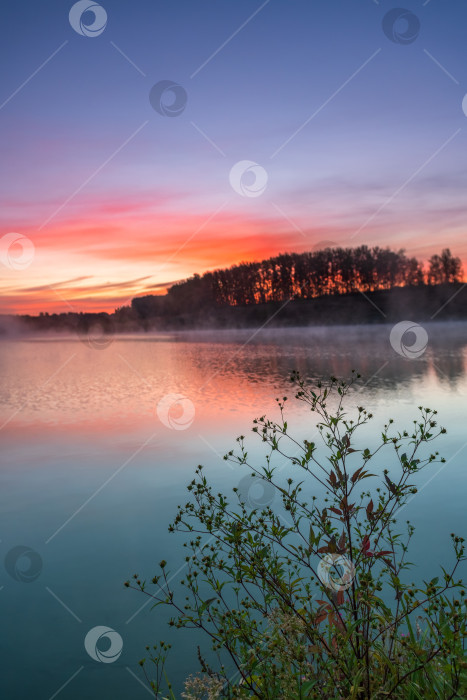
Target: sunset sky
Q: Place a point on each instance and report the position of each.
(363, 139)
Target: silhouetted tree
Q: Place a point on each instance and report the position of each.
(331, 271)
(444, 268)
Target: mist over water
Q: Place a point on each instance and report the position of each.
(65, 380)
(95, 463)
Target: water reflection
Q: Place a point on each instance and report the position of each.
(62, 381)
(91, 477)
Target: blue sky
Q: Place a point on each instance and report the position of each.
(109, 190)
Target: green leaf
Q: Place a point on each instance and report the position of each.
(205, 605)
(311, 537)
(307, 686)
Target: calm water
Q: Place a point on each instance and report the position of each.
(91, 476)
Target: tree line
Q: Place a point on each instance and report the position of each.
(245, 294)
(332, 271)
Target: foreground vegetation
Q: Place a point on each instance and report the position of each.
(312, 599)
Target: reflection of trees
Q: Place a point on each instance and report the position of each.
(448, 343)
(449, 367)
(317, 353)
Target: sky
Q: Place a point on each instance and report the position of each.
(144, 142)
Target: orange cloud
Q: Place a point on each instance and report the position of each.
(122, 247)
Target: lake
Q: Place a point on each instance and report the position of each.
(95, 459)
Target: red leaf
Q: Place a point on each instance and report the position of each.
(366, 543)
(355, 475)
(392, 486)
(369, 509)
(340, 598)
(335, 510)
(320, 617)
(339, 624)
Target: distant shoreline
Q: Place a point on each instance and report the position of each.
(444, 302)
